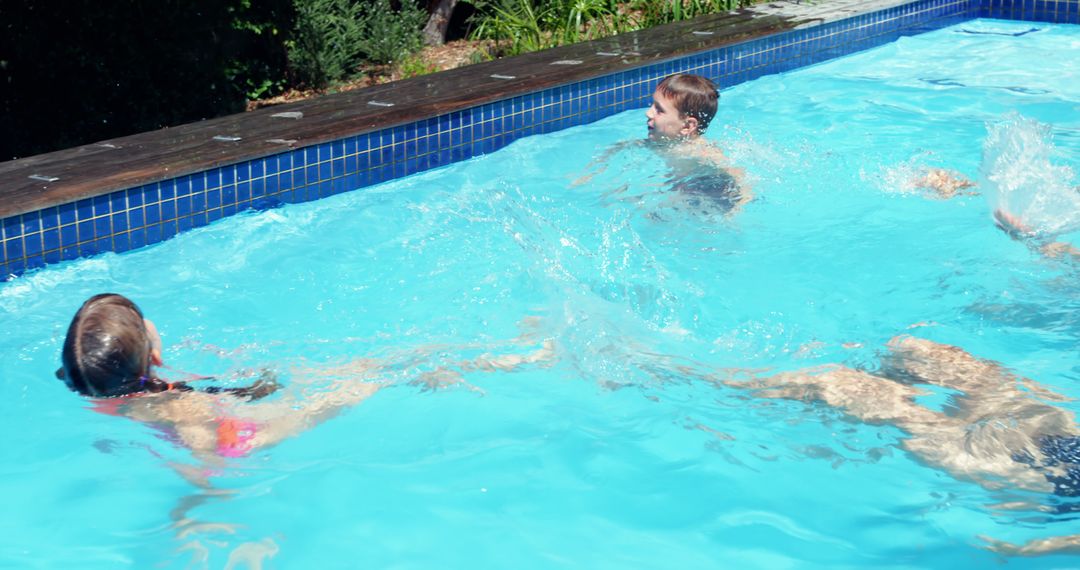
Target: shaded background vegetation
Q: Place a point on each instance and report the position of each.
(83, 71)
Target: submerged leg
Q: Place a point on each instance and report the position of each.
(923, 361)
(1068, 544)
(864, 396)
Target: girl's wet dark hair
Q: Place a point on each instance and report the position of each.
(107, 349)
(107, 353)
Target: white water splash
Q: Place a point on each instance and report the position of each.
(1018, 177)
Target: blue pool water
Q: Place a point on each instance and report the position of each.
(619, 453)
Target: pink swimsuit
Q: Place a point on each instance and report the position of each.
(234, 437)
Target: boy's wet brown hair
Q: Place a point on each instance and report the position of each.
(107, 349)
(693, 96)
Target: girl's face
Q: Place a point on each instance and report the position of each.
(155, 342)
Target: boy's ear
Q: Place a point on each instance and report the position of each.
(690, 125)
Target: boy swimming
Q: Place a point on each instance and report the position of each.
(683, 106)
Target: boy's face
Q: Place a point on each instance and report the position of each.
(666, 122)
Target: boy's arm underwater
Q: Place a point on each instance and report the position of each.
(711, 156)
(599, 164)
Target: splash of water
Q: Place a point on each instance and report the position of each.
(1019, 177)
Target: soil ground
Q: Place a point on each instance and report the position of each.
(428, 60)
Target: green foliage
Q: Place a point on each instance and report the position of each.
(657, 12)
(389, 34)
(520, 26)
(519, 23)
(585, 20)
(413, 66)
(333, 38)
(326, 42)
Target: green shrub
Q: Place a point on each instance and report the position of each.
(415, 66)
(517, 26)
(326, 42)
(520, 26)
(333, 38)
(657, 12)
(389, 34)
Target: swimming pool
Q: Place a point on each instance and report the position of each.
(614, 455)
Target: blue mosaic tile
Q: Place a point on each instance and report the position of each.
(84, 209)
(88, 249)
(167, 190)
(168, 211)
(32, 244)
(272, 164)
(13, 248)
(138, 238)
(136, 219)
(121, 243)
(52, 257)
(51, 239)
(135, 197)
(30, 223)
(257, 168)
(228, 195)
(101, 205)
(117, 202)
(258, 188)
(102, 227)
(85, 231)
(69, 236)
(183, 206)
(168, 229)
(67, 213)
(154, 234)
(212, 200)
(243, 192)
(119, 222)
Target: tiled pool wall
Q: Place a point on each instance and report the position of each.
(1056, 11)
(128, 219)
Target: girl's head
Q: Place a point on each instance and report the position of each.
(110, 348)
